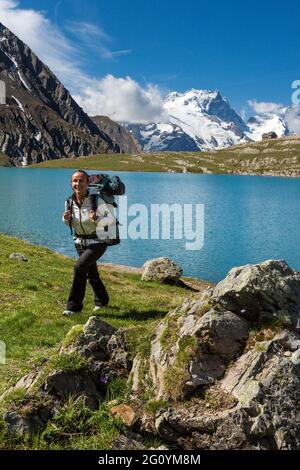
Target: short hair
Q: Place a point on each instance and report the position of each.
(80, 171)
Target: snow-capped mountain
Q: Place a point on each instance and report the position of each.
(163, 136)
(203, 120)
(266, 122)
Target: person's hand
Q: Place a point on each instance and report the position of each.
(67, 216)
(93, 215)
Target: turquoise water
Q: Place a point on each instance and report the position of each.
(247, 219)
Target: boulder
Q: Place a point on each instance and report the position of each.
(17, 424)
(31, 415)
(95, 328)
(161, 269)
(18, 257)
(64, 384)
(131, 441)
(27, 382)
(91, 341)
(269, 291)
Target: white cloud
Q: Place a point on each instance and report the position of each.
(50, 45)
(123, 99)
(87, 29)
(261, 107)
(119, 98)
(95, 38)
(292, 118)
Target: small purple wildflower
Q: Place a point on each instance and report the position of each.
(104, 379)
(95, 366)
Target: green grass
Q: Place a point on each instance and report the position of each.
(177, 374)
(73, 427)
(275, 157)
(33, 295)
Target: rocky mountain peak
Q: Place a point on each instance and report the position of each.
(38, 104)
(198, 120)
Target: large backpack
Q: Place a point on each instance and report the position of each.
(106, 188)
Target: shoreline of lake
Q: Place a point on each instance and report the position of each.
(246, 220)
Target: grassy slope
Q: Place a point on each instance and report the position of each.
(4, 160)
(275, 157)
(33, 296)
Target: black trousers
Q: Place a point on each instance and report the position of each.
(86, 269)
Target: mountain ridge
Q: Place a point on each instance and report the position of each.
(40, 119)
(203, 120)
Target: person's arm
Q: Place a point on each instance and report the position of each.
(66, 217)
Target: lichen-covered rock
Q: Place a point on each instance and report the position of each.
(91, 356)
(161, 269)
(265, 384)
(116, 347)
(91, 340)
(189, 351)
(265, 291)
(246, 392)
(226, 430)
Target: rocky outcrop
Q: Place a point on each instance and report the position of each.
(40, 120)
(244, 392)
(163, 270)
(192, 348)
(118, 134)
(223, 370)
(263, 292)
(91, 356)
(264, 411)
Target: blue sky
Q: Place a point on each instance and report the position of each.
(249, 51)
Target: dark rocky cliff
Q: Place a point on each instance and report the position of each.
(40, 120)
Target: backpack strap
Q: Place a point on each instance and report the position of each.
(94, 197)
(69, 207)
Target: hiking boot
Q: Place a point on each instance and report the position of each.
(99, 307)
(69, 313)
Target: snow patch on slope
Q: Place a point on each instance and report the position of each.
(18, 103)
(267, 122)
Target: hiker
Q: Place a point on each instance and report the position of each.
(84, 216)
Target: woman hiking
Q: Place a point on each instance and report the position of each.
(85, 218)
